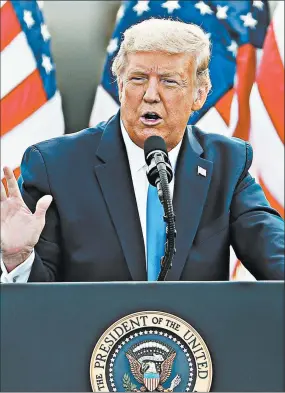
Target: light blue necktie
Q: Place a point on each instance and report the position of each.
(155, 233)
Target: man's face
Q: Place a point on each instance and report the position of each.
(157, 96)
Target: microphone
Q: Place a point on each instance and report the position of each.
(159, 174)
(157, 159)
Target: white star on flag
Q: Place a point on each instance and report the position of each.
(28, 18)
(45, 32)
(113, 45)
(258, 4)
(120, 13)
(46, 63)
(141, 7)
(171, 6)
(203, 8)
(248, 20)
(40, 4)
(222, 12)
(233, 48)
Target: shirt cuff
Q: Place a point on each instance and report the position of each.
(20, 274)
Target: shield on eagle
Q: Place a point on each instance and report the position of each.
(151, 363)
(151, 381)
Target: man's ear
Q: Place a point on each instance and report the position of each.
(200, 98)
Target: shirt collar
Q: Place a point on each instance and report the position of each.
(136, 153)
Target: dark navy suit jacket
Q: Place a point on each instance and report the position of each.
(93, 231)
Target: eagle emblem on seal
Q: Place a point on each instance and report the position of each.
(151, 365)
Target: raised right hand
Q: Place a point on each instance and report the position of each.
(20, 228)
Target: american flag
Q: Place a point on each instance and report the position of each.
(30, 102)
(247, 73)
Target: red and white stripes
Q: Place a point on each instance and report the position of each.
(27, 116)
(254, 111)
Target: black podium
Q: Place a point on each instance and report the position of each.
(49, 331)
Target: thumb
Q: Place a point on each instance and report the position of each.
(43, 205)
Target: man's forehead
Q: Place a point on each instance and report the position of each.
(161, 64)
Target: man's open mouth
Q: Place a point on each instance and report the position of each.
(151, 118)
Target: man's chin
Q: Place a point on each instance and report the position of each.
(140, 134)
(150, 131)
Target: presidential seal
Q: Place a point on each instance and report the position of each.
(151, 351)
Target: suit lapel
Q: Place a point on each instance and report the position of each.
(115, 180)
(190, 192)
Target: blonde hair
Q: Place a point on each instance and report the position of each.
(167, 35)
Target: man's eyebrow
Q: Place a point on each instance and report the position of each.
(170, 74)
(138, 71)
(164, 74)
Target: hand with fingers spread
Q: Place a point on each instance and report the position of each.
(20, 228)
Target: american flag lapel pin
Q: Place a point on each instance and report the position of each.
(202, 171)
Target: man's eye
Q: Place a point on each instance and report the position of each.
(137, 78)
(170, 81)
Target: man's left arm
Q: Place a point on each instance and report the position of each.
(256, 230)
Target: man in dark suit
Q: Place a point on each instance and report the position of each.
(93, 193)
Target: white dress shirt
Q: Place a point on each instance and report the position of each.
(140, 182)
(138, 171)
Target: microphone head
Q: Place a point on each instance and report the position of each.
(152, 146)
(154, 143)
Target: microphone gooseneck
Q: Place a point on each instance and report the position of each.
(159, 174)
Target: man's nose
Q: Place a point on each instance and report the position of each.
(152, 93)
